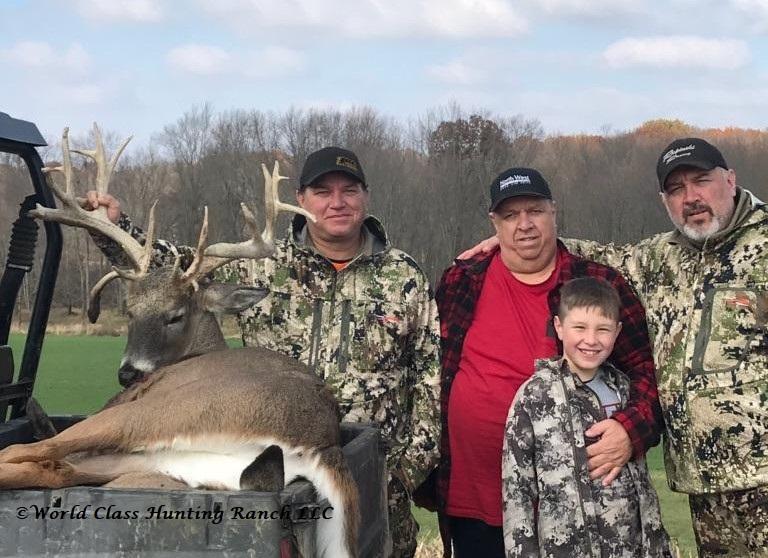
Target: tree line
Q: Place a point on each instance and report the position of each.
(428, 177)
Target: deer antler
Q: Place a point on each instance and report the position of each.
(72, 214)
(272, 203)
(260, 245)
(103, 169)
(94, 298)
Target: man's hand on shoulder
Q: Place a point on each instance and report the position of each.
(610, 453)
(484, 246)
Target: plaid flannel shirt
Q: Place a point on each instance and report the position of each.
(457, 296)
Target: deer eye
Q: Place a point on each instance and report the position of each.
(174, 318)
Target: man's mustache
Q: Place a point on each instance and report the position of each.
(696, 207)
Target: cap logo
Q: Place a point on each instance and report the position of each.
(346, 162)
(514, 180)
(673, 154)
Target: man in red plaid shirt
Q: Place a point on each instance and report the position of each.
(495, 315)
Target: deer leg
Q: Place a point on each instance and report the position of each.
(266, 473)
(23, 453)
(47, 474)
(104, 430)
(42, 427)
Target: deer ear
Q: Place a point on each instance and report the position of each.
(225, 298)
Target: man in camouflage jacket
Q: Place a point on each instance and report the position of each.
(705, 288)
(551, 506)
(367, 326)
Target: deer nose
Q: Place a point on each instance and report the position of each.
(128, 375)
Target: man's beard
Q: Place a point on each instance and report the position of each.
(700, 232)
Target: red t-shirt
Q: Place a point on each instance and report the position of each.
(508, 333)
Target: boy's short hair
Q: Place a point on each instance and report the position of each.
(589, 292)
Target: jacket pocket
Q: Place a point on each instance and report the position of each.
(727, 390)
(732, 336)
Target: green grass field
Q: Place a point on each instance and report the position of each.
(78, 374)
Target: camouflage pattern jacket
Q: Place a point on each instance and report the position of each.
(707, 308)
(370, 331)
(551, 506)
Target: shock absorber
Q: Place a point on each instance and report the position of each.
(21, 255)
(21, 252)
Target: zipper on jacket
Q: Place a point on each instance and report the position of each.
(344, 335)
(332, 302)
(575, 451)
(314, 339)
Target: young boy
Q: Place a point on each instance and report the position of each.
(551, 507)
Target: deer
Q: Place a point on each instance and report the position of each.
(194, 411)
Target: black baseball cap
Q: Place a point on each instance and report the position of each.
(331, 159)
(690, 152)
(518, 181)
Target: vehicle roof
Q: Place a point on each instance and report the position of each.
(19, 131)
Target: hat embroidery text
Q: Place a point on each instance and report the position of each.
(673, 154)
(346, 162)
(513, 180)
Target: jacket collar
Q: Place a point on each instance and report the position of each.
(558, 366)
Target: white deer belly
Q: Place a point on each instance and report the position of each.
(203, 469)
(216, 462)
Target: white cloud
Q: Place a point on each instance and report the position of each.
(756, 10)
(137, 11)
(61, 76)
(457, 72)
(199, 59)
(589, 8)
(467, 18)
(39, 56)
(204, 60)
(374, 18)
(760, 6)
(677, 52)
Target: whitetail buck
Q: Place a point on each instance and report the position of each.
(203, 413)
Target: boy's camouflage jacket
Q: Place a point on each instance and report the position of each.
(370, 331)
(551, 507)
(707, 308)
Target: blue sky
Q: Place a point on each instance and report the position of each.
(575, 65)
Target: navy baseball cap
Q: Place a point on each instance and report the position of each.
(518, 181)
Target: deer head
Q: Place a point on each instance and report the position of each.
(171, 311)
